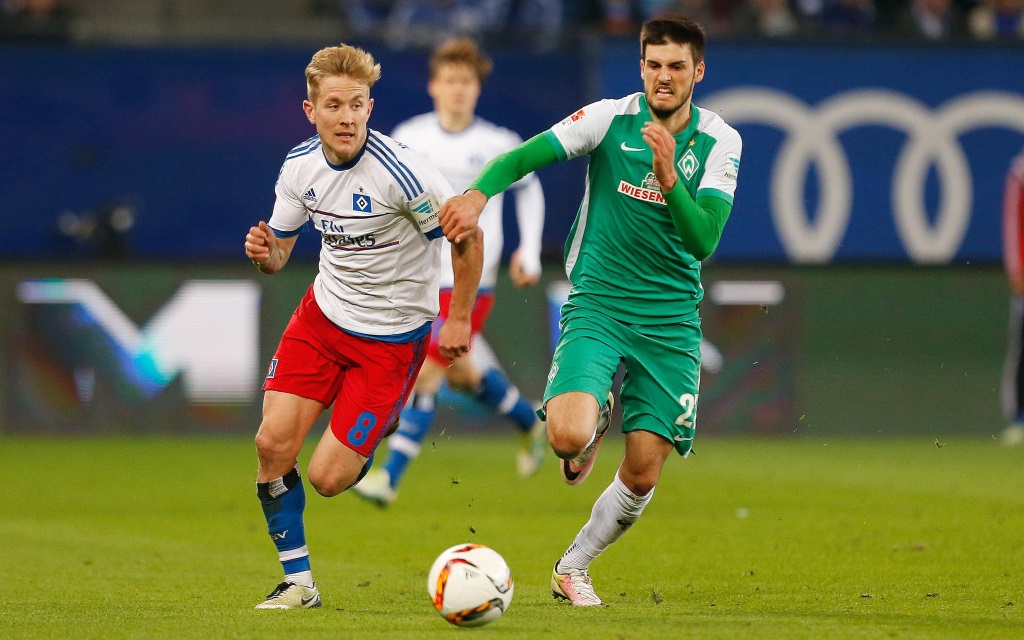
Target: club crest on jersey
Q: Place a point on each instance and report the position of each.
(648, 191)
(361, 203)
(688, 164)
(310, 195)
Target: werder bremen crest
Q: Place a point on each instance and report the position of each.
(688, 164)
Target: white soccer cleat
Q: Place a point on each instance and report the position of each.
(375, 487)
(533, 443)
(577, 469)
(288, 595)
(574, 586)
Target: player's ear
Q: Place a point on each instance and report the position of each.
(369, 107)
(698, 73)
(307, 106)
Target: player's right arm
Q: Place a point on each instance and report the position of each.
(268, 252)
(269, 245)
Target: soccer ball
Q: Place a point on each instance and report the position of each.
(470, 585)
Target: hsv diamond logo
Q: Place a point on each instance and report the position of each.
(361, 203)
(688, 164)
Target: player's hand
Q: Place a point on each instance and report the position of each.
(520, 277)
(260, 243)
(459, 214)
(454, 339)
(663, 145)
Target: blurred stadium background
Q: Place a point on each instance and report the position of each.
(857, 289)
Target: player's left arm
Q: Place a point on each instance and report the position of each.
(467, 265)
(698, 221)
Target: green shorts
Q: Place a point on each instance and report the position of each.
(659, 391)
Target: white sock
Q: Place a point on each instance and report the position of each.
(614, 513)
(301, 578)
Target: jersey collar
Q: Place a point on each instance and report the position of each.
(690, 129)
(351, 163)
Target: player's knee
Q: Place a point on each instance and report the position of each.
(639, 481)
(566, 438)
(271, 446)
(330, 482)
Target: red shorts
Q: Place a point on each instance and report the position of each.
(481, 309)
(367, 380)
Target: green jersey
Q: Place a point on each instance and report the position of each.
(624, 256)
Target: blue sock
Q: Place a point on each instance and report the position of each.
(501, 395)
(283, 502)
(405, 444)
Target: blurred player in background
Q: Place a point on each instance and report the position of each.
(1013, 259)
(660, 188)
(459, 143)
(359, 336)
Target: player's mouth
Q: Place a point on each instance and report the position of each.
(664, 91)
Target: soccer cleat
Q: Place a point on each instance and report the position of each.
(531, 450)
(577, 469)
(375, 487)
(288, 595)
(574, 586)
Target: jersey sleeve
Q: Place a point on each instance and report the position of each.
(723, 167)
(289, 213)
(426, 204)
(580, 133)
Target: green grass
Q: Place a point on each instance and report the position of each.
(781, 538)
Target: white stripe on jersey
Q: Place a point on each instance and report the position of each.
(377, 216)
(459, 157)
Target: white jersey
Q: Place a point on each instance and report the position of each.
(378, 220)
(460, 156)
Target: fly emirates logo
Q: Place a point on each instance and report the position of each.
(649, 191)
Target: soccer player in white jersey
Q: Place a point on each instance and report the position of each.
(660, 188)
(459, 143)
(359, 336)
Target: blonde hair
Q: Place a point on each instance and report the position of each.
(342, 60)
(461, 51)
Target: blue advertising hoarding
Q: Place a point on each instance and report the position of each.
(861, 154)
(851, 154)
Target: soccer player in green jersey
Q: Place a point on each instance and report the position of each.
(660, 187)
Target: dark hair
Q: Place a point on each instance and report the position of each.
(673, 28)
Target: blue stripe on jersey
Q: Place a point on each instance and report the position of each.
(387, 165)
(388, 150)
(389, 154)
(288, 234)
(408, 336)
(305, 147)
(305, 143)
(303, 153)
(434, 233)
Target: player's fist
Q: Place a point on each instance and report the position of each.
(521, 273)
(454, 339)
(459, 214)
(260, 242)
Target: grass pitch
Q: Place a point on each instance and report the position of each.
(782, 538)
